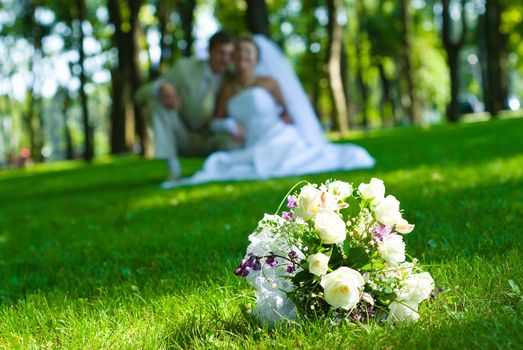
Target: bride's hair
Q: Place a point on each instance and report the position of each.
(247, 38)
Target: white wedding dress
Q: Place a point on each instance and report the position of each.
(273, 148)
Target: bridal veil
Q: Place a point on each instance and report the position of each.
(273, 63)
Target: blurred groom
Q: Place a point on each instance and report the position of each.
(181, 104)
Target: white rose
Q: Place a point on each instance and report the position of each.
(403, 226)
(340, 189)
(342, 288)
(330, 227)
(416, 288)
(309, 202)
(392, 249)
(318, 264)
(387, 211)
(403, 311)
(375, 190)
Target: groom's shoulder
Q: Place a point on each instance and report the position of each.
(190, 63)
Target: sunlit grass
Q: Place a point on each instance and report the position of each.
(97, 256)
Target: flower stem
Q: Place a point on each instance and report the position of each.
(288, 193)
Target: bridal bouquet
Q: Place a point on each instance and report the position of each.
(337, 252)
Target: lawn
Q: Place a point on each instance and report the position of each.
(97, 256)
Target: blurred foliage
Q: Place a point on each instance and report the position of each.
(299, 27)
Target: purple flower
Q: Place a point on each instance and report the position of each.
(291, 268)
(287, 215)
(291, 202)
(271, 261)
(381, 231)
(253, 263)
(293, 254)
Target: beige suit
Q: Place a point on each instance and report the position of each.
(185, 131)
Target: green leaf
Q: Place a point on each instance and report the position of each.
(357, 257)
(336, 258)
(302, 276)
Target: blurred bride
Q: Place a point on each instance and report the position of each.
(265, 106)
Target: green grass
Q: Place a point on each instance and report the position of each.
(98, 257)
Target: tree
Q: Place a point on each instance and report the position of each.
(257, 17)
(127, 120)
(384, 53)
(88, 153)
(406, 28)
(453, 48)
(334, 65)
(361, 83)
(186, 10)
(29, 27)
(493, 49)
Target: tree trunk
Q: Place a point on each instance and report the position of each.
(453, 48)
(88, 153)
(453, 111)
(118, 144)
(387, 102)
(136, 80)
(412, 104)
(495, 82)
(362, 86)
(127, 122)
(33, 117)
(187, 15)
(257, 17)
(334, 66)
(344, 71)
(69, 149)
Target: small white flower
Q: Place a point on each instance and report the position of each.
(309, 202)
(366, 297)
(392, 249)
(343, 288)
(387, 211)
(403, 311)
(271, 218)
(403, 226)
(416, 288)
(318, 264)
(330, 227)
(340, 189)
(373, 191)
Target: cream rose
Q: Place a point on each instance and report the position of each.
(387, 211)
(342, 288)
(374, 191)
(330, 227)
(318, 264)
(309, 202)
(403, 311)
(416, 288)
(392, 249)
(403, 226)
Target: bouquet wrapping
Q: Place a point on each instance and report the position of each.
(337, 253)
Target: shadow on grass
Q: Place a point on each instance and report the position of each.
(50, 241)
(146, 245)
(445, 145)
